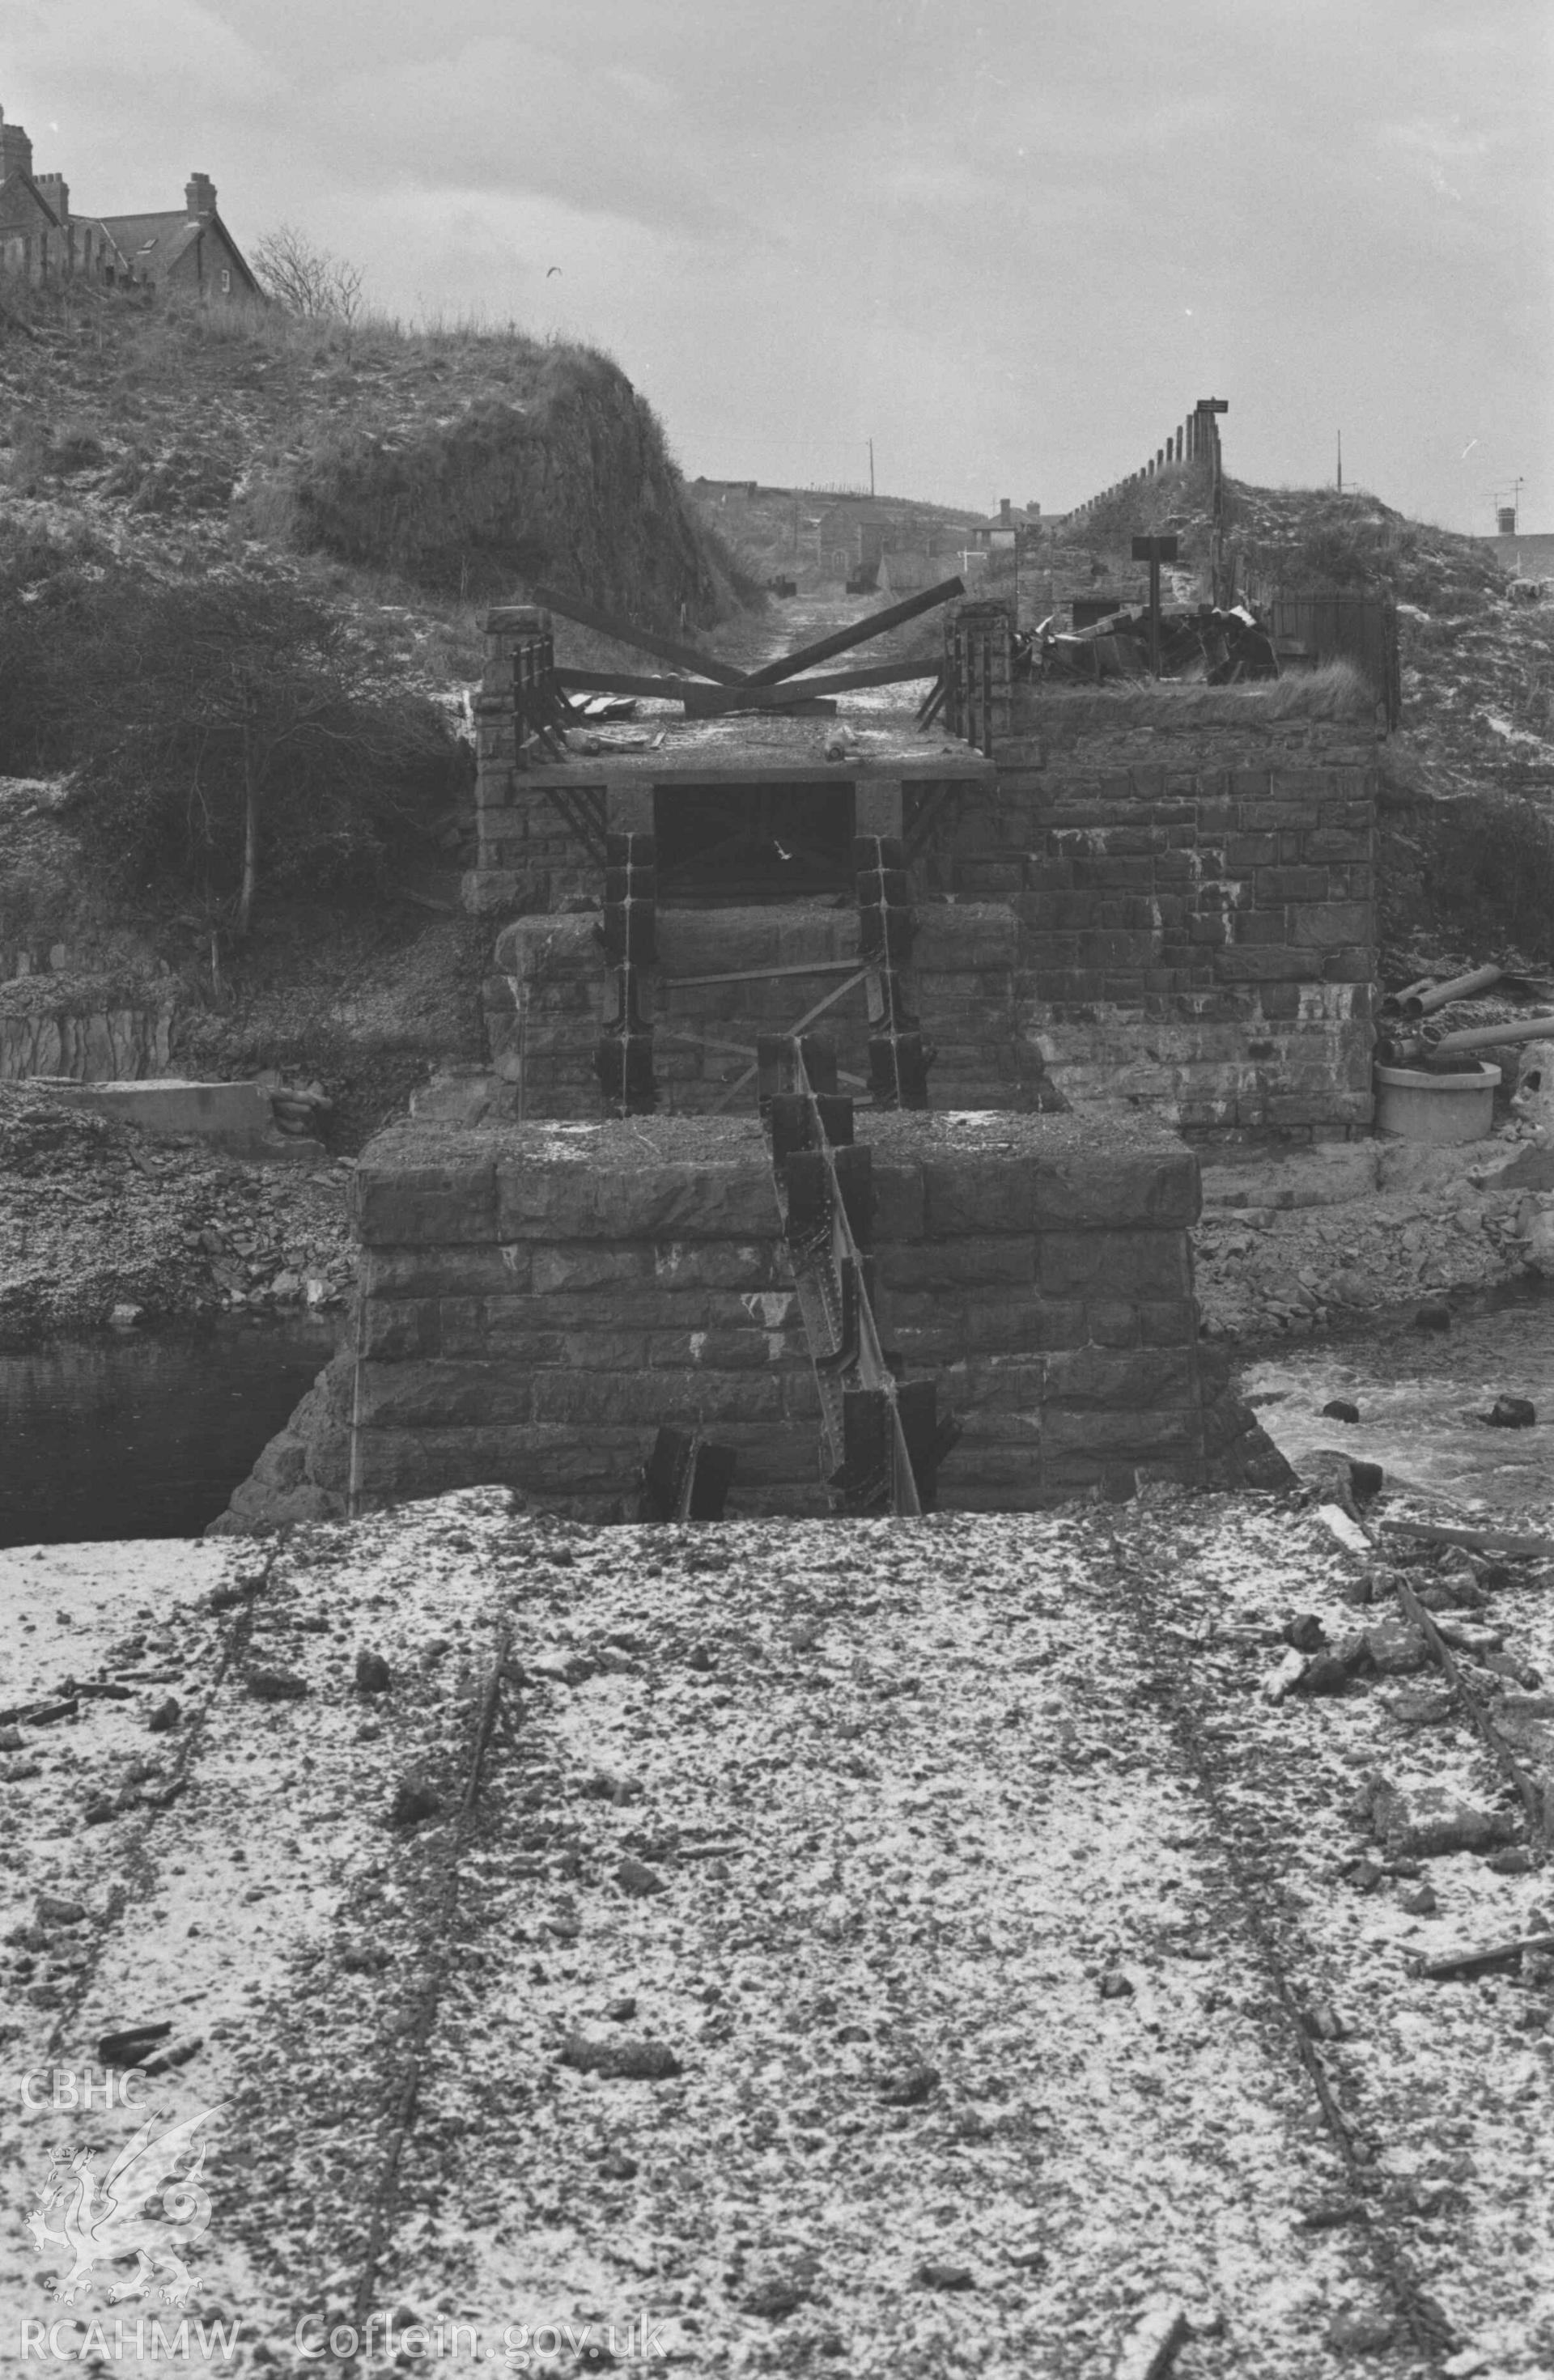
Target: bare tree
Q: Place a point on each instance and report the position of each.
(306, 280)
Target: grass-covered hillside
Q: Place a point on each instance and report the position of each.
(242, 560)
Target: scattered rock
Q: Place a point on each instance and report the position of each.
(1517, 1860)
(698, 1657)
(364, 1958)
(774, 2301)
(635, 1878)
(131, 2043)
(373, 1675)
(1114, 1986)
(1419, 1705)
(1340, 1409)
(166, 1715)
(12, 1740)
(621, 2012)
(616, 2165)
(1353, 2332)
(1325, 1673)
(1433, 1317)
(1397, 1647)
(1306, 1634)
(627, 2061)
(1512, 1412)
(910, 2086)
(1424, 1820)
(1469, 1636)
(55, 1910)
(1323, 2022)
(1420, 1902)
(276, 1685)
(414, 1801)
(931, 2275)
(564, 1668)
(175, 2055)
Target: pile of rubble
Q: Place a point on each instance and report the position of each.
(99, 1224)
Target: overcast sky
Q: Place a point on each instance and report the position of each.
(1012, 242)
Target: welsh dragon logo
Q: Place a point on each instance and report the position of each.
(104, 2226)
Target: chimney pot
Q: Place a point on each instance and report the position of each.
(15, 149)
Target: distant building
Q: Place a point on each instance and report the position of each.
(41, 239)
(999, 533)
(192, 250)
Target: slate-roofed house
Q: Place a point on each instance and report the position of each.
(187, 248)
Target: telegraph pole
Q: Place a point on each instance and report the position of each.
(871, 467)
(1341, 462)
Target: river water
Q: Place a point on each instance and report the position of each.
(145, 1434)
(1420, 1395)
(142, 1433)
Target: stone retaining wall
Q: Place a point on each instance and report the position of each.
(1194, 880)
(537, 1299)
(547, 997)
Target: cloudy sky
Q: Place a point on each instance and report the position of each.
(1009, 240)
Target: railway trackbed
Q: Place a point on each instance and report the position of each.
(882, 1945)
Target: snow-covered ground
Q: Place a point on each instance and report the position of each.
(889, 1946)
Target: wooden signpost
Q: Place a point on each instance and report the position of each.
(1154, 551)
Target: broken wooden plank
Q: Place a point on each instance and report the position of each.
(1482, 1954)
(861, 633)
(707, 701)
(1488, 1541)
(656, 689)
(643, 640)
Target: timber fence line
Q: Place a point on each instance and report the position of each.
(1195, 439)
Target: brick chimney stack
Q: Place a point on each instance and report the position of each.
(200, 198)
(1003, 519)
(57, 189)
(15, 149)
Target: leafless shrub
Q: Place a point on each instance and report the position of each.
(309, 281)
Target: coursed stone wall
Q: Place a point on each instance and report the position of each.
(1193, 877)
(537, 1299)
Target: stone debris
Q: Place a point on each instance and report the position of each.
(931, 1886)
(1397, 1647)
(1423, 1819)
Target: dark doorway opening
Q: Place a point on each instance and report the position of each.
(741, 843)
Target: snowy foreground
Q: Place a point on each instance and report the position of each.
(898, 1948)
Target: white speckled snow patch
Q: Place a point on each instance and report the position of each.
(844, 1963)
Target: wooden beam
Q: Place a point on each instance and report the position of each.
(709, 702)
(656, 689)
(861, 633)
(572, 607)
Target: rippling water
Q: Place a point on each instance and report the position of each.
(1418, 1393)
(143, 1434)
